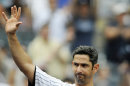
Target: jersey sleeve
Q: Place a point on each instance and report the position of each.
(43, 79)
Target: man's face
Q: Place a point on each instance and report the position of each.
(82, 68)
(45, 32)
(83, 10)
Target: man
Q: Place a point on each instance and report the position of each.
(84, 59)
(84, 23)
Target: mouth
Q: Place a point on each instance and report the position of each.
(80, 76)
(80, 79)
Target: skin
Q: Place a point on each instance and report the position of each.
(112, 32)
(44, 33)
(84, 75)
(22, 60)
(83, 70)
(84, 11)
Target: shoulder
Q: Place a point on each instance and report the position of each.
(43, 79)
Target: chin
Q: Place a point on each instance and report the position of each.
(80, 81)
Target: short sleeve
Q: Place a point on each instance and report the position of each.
(43, 79)
(33, 83)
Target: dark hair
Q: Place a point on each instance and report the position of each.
(70, 24)
(83, 2)
(87, 50)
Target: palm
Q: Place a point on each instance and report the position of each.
(12, 23)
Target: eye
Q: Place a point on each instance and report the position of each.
(76, 64)
(85, 65)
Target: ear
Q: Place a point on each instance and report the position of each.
(72, 63)
(95, 68)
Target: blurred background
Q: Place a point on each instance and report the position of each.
(52, 29)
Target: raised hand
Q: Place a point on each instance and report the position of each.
(12, 23)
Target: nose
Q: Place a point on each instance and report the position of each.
(79, 69)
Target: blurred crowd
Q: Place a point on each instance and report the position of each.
(52, 29)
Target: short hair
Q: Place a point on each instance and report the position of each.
(87, 50)
(70, 24)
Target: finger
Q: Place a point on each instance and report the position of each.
(4, 15)
(15, 10)
(12, 11)
(19, 13)
(17, 25)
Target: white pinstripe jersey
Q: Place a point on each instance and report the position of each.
(43, 79)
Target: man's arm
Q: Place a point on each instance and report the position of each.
(20, 57)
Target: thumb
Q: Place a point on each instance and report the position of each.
(18, 23)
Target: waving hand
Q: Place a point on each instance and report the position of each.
(12, 23)
(22, 60)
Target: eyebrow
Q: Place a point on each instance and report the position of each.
(82, 63)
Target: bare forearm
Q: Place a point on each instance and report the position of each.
(17, 51)
(20, 57)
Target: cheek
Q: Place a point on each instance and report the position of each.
(74, 69)
(87, 71)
